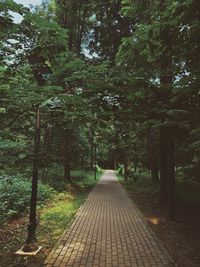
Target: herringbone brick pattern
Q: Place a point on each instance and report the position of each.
(108, 231)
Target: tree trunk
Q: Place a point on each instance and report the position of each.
(153, 158)
(167, 173)
(136, 163)
(95, 162)
(67, 170)
(163, 168)
(92, 151)
(154, 169)
(115, 165)
(166, 80)
(125, 171)
(170, 210)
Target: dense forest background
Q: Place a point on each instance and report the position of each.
(115, 83)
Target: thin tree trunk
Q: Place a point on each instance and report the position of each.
(95, 162)
(136, 163)
(170, 211)
(67, 170)
(115, 165)
(92, 151)
(125, 171)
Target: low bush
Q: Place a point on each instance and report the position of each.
(15, 193)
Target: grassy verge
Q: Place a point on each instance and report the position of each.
(54, 217)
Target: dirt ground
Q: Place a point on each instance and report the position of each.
(181, 238)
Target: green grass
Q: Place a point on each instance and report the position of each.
(57, 215)
(54, 217)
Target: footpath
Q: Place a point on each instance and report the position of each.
(108, 231)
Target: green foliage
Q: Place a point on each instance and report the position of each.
(141, 183)
(61, 214)
(15, 194)
(6, 17)
(13, 151)
(54, 216)
(86, 178)
(48, 37)
(97, 70)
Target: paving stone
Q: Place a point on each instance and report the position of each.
(108, 231)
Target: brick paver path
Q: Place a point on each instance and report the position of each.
(108, 231)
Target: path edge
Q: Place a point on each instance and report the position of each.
(69, 225)
(157, 240)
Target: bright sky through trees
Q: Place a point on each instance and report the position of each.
(29, 2)
(26, 3)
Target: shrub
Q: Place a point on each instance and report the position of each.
(15, 193)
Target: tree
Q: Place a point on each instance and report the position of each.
(73, 16)
(108, 27)
(150, 55)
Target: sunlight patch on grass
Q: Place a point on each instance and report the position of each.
(55, 217)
